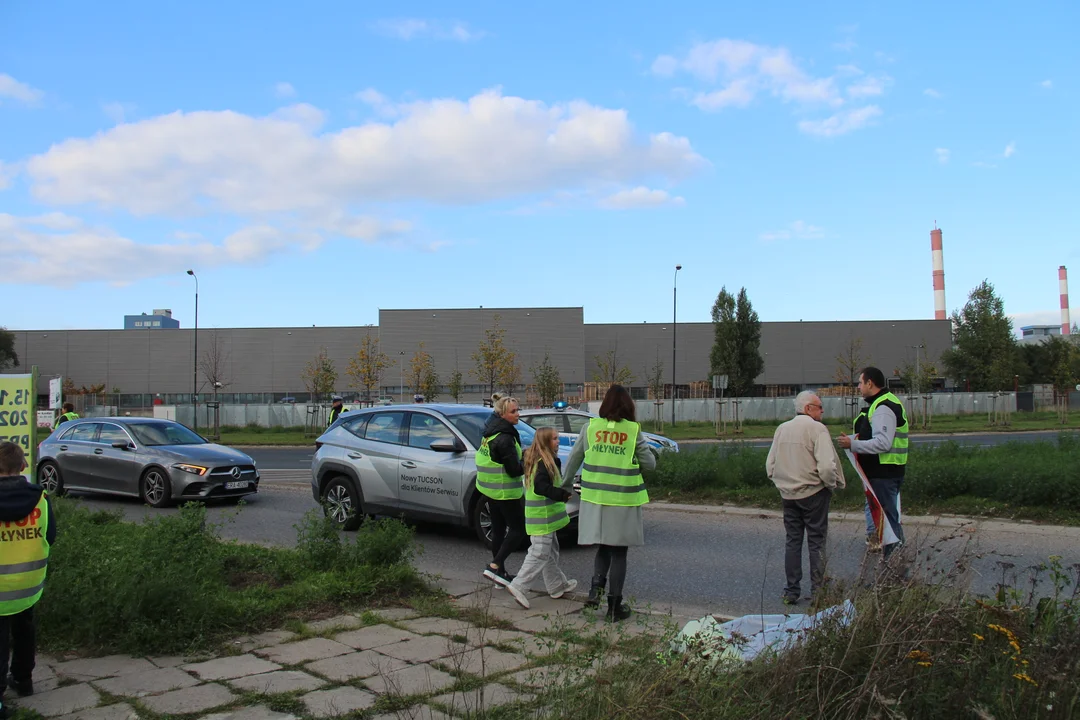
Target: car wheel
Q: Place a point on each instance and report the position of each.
(50, 479)
(481, 518)
(341, 503)
(155, 488)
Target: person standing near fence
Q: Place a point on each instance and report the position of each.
(336, 409)
(880, 444)
(24, 557)
(611, 453)
(68, 414)
(803, 465)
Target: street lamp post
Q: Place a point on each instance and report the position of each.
(195, 361)
(674, 330)
(401, 377)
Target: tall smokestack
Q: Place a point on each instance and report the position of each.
(939, 274)
(1063, 284)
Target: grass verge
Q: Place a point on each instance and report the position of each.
(1020, 480)
(171, 585)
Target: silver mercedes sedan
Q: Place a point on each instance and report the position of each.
(159, 461)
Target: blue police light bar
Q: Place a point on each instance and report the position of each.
(560, 404)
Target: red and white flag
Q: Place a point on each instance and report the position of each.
(883, 529)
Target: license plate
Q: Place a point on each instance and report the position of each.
(237, 485)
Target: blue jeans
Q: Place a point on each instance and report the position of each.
(869, 519)
(887, 491)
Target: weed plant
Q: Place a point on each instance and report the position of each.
(171, 585)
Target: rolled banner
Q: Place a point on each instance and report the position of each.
(883, 529)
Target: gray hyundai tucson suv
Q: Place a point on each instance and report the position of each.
(412, 461)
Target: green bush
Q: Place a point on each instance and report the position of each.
(171, 585)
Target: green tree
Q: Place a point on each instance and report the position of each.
(495, 364)
(549, 384)
(429, 385)
(609, 368)
(1063, 359)
(736, 350)
(919, 375)
(984, 353)
(420, 367)
(319, 376)
(654, 377)
(456, 385)
(367, 367)
(8, 357)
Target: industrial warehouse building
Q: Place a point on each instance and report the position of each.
(265, 364)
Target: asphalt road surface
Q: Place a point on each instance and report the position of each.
(693, 563)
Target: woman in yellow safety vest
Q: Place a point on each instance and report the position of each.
(499, 478)
(611, 453)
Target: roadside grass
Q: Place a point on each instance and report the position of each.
(918, 648)
(1018, 480)
(943, 424)
(171, 585)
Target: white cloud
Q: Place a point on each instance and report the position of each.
(415, 28)
(797, 230)
(983, 165)
(942, 155)
(7, 174)
(1010, 150)
(63, 251)
(1047, 84)
(284, 90)
(665, 66)
(445, 151)
(869, 86)
(931, 92)
(118, 111)
(842, 122)
(639, 197)
(739, 93)
(845, 45)
(13, 89)
(378, 102)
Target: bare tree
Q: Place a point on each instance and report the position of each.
(849, 362)
(549, 384)
(495, 364)
(213, 363)
(610, 370)
(367, 367)
(319, 376)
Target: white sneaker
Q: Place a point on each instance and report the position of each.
(569, 587)
(519, 596)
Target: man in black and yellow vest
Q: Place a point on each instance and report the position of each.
(336, 409)
(27, 532)
(880, 445)
(68, 414)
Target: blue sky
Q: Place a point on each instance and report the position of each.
(314, 163)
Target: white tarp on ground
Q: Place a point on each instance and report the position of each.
(748, 636)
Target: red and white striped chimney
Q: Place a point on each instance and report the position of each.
(939, 274)
(1063, 284)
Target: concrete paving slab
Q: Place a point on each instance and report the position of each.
(254, 712)
(146, 683)
(417, 712)
(374, 636)
(438, 625)
(341, 622)
(547, 676)
(366, 663)
(545, 605)
(304, 650)
(119, 711)
(458, 588)
(47, 684)
(425, 649)
(109, 666)
(485, 662)
(413, 680)
(190, 700)
(169, 661)
(395, 614)
(266, 639)
(470, 702)
(227, 668)
(341, 700)
(280, 681)
(61, 701)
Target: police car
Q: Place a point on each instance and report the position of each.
(569, 421)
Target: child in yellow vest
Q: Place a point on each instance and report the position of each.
(545, 515)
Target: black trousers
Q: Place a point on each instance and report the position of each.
(507, 528)
(17, 643)
(810, 516)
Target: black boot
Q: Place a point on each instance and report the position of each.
(616, 610)
(595, 591)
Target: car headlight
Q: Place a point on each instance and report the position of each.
(193, 469)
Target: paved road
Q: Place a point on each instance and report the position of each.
(293, 458)
(694, 563)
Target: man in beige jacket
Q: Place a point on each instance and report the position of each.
(805, 468)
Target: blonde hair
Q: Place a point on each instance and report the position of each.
(540, 451)
(501, 403)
